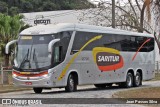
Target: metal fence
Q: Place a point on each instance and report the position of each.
(8, 71)
(157, 67)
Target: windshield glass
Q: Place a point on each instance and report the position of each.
(32, 52)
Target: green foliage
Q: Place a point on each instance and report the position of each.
(10, 27)
(13, 7)
(49, 6)
(13, 11)
(3, 7)
(26, 6)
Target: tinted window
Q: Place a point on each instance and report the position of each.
(116, 41)
(64, 42)
(135, 43)
(150, 45)
(113, 41)
(82, 38)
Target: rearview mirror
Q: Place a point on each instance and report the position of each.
(51, 43)
(8, 45)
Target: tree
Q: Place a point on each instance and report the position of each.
(44, 5)
(156, 10)
(26, 6)
(134, 15)
(102, 15)
(3, 7)
(13, 11)
(129, 15)
(49, 6)
(9, 29)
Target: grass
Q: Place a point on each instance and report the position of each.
(157, 76)
(153, 92)
(11, 88)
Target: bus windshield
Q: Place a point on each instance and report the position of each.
(32, 52)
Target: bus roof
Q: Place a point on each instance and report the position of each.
(51, 29)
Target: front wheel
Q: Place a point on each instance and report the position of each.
(37, 90)
(71, 84)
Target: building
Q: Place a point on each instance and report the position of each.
(53, 17)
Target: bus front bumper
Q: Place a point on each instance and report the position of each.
(33, 81)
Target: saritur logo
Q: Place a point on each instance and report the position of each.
(107, 59)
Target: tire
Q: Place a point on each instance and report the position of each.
(137, 80)
(129, 81)
(100, 85)
(71, 84)
(38, 90)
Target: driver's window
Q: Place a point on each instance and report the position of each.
(56, 55)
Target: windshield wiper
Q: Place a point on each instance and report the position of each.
(35, 57)
(25, 59)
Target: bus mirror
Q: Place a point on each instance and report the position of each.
(51, 43)
(8, 45)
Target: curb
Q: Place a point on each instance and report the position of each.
(13, 90)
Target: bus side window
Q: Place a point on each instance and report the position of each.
(57, 54)
(81, 39)
(150, 45)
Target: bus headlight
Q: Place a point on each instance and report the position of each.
(45, 75)
(14, 74)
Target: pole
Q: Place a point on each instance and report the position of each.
(157, 67)
(2, 75)
(113, 13)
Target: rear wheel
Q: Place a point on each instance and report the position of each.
(71, 84)
(37, 90)
(137, 80)
(100, 85)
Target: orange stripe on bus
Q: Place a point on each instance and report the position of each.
(140, 48)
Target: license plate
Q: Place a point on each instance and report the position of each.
(28, 83)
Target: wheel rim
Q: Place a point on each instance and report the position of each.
(71, 82)
(129, 81)
(138, 79)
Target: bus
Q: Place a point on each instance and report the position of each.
(66, 55)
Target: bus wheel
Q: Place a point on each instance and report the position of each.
(100, 85)
(129, 80)
(37, 90)
(137, 80)
(71, 84)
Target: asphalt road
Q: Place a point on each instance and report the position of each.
(88, 91)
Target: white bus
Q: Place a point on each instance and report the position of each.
(67, 55)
